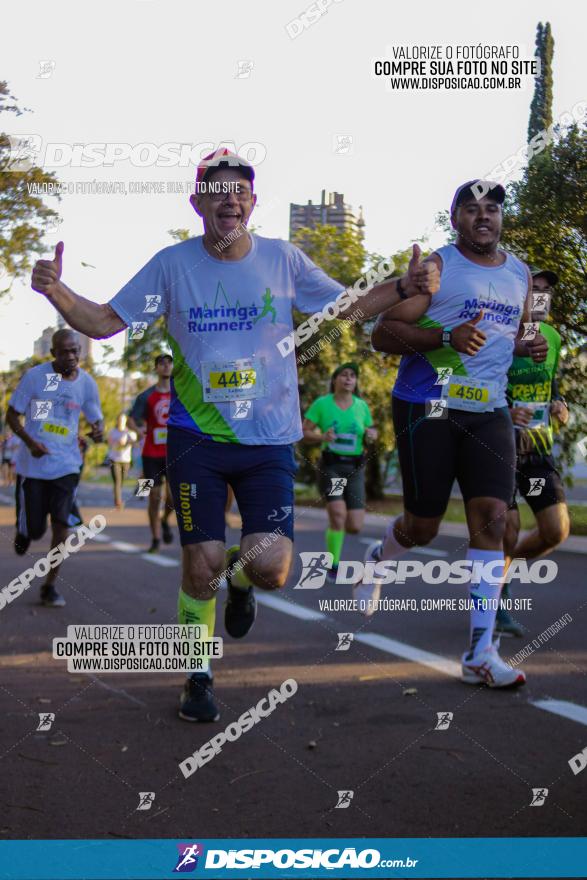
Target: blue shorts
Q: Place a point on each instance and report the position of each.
(198, 471)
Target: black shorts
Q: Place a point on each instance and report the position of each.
(538, 497)
(476, 449)
(154, 469)
(333, 467)
(37, 499)
(262, 478)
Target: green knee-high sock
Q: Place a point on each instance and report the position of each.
(334, 542)
(197, 611)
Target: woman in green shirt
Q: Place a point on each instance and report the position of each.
(341, 421)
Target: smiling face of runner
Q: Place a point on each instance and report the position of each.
(225, 211)
(478, 224)
(345, 382)
(66, 352)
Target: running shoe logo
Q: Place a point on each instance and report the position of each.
(187, 860)
(483, 670)
(539, 795)
(46, 719)
(52, 383)
(41, 409)
(314, 568)
(344, 641)
(146, 799)
(444, 719)
(344, 800)
(537, 484)
(337, 486)
(152, 302)
(285, 512)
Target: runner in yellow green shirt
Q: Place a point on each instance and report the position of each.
(537, 411)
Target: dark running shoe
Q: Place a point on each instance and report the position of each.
(50, 598)
(21, 544)
(240, 608)
(166, 532)
(197, 699)
(154, 548)
(505, 625)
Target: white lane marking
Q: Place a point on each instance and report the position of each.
(374, 640)
(101, 539)
(400, 649)
(425, 658)
(124, 547)
(563, 708)
(428, 551)
(117, 691)
(166, 561)
(299, 611)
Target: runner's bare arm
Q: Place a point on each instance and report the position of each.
(13, 420)
(395, 331)
(399, 337)
(313, 434)
(420, 281)
(99, 321)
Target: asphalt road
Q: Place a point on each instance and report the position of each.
(362, 720)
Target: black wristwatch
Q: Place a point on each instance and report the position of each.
(446, 337)
(400, 290)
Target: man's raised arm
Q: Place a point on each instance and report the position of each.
(397, 337)
(421, 280)
(92, 319)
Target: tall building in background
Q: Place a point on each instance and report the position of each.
(331, 211)
(42, 345)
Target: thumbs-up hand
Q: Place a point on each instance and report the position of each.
(46, 273)
(422, 277)
(466, 338)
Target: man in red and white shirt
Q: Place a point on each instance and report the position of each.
(148, 417)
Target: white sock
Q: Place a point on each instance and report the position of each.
(484, 587)
(392, 549)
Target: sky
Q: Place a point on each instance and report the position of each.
(163, 71)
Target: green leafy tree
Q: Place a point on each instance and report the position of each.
(541, 107)
(545, 223)
(342, 255)
(24, 217)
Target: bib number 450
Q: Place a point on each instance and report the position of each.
(466, 392)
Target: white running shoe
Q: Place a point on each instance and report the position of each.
(367, 595)
(487, 667)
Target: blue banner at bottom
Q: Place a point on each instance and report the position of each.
(484, 857)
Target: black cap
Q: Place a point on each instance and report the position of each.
(551, 277)
(162, 357)
(478, 189)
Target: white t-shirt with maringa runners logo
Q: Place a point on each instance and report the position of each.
(52, 406)
(225, 319)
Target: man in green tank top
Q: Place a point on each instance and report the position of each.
(537, 410)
